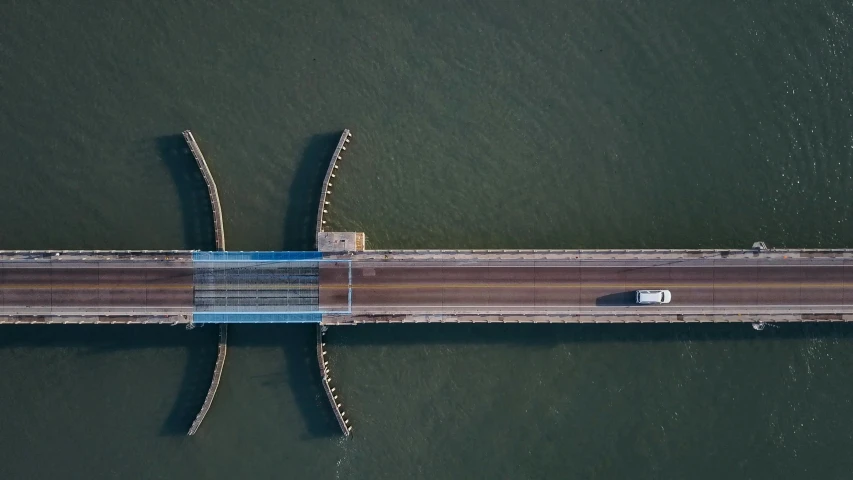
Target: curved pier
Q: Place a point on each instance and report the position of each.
(214, 384)
(340, 415)
(219, 229)
(219, 232)
(327, 186)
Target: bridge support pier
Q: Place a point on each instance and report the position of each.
(219, 232)
(333, 242)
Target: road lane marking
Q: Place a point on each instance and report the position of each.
(73, 286)
(747, 286)
(635, 309)
(569, 264)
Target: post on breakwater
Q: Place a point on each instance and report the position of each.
(219, 232)
(326, 188)
(337, 407)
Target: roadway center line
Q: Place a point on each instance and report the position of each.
(618, 285)
(567, 264)
(746, 285)
(635, 309)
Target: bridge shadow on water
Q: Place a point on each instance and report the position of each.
(107, 339)
(298, 347)
(200, 345)
(300, 217)
(301, 371)
(555, 334)
(196, 211)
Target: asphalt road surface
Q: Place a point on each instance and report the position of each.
(452, 287)
(115, 287)
(588, 287)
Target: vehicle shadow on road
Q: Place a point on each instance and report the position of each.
(619, 299)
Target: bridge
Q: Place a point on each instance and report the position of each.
(339, 288)
(342, 283)
(589, 286)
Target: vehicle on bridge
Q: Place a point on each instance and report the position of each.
(653, 297)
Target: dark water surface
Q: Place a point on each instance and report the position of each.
(543, 124)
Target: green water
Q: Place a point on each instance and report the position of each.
(537, 124)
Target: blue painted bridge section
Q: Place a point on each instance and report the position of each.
(258, 287)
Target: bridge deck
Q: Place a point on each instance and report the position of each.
(301, 287)
(590, 287)
(266, 287)
(107, 287)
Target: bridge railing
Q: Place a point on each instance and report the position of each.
(617, 251)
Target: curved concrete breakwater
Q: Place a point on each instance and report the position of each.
(326, 189)
(214, 383)
(219, 229)
(219, 232)
(337, 408)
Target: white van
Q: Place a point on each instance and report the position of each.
(652, 297)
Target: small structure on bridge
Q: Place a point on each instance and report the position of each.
(335, 242)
